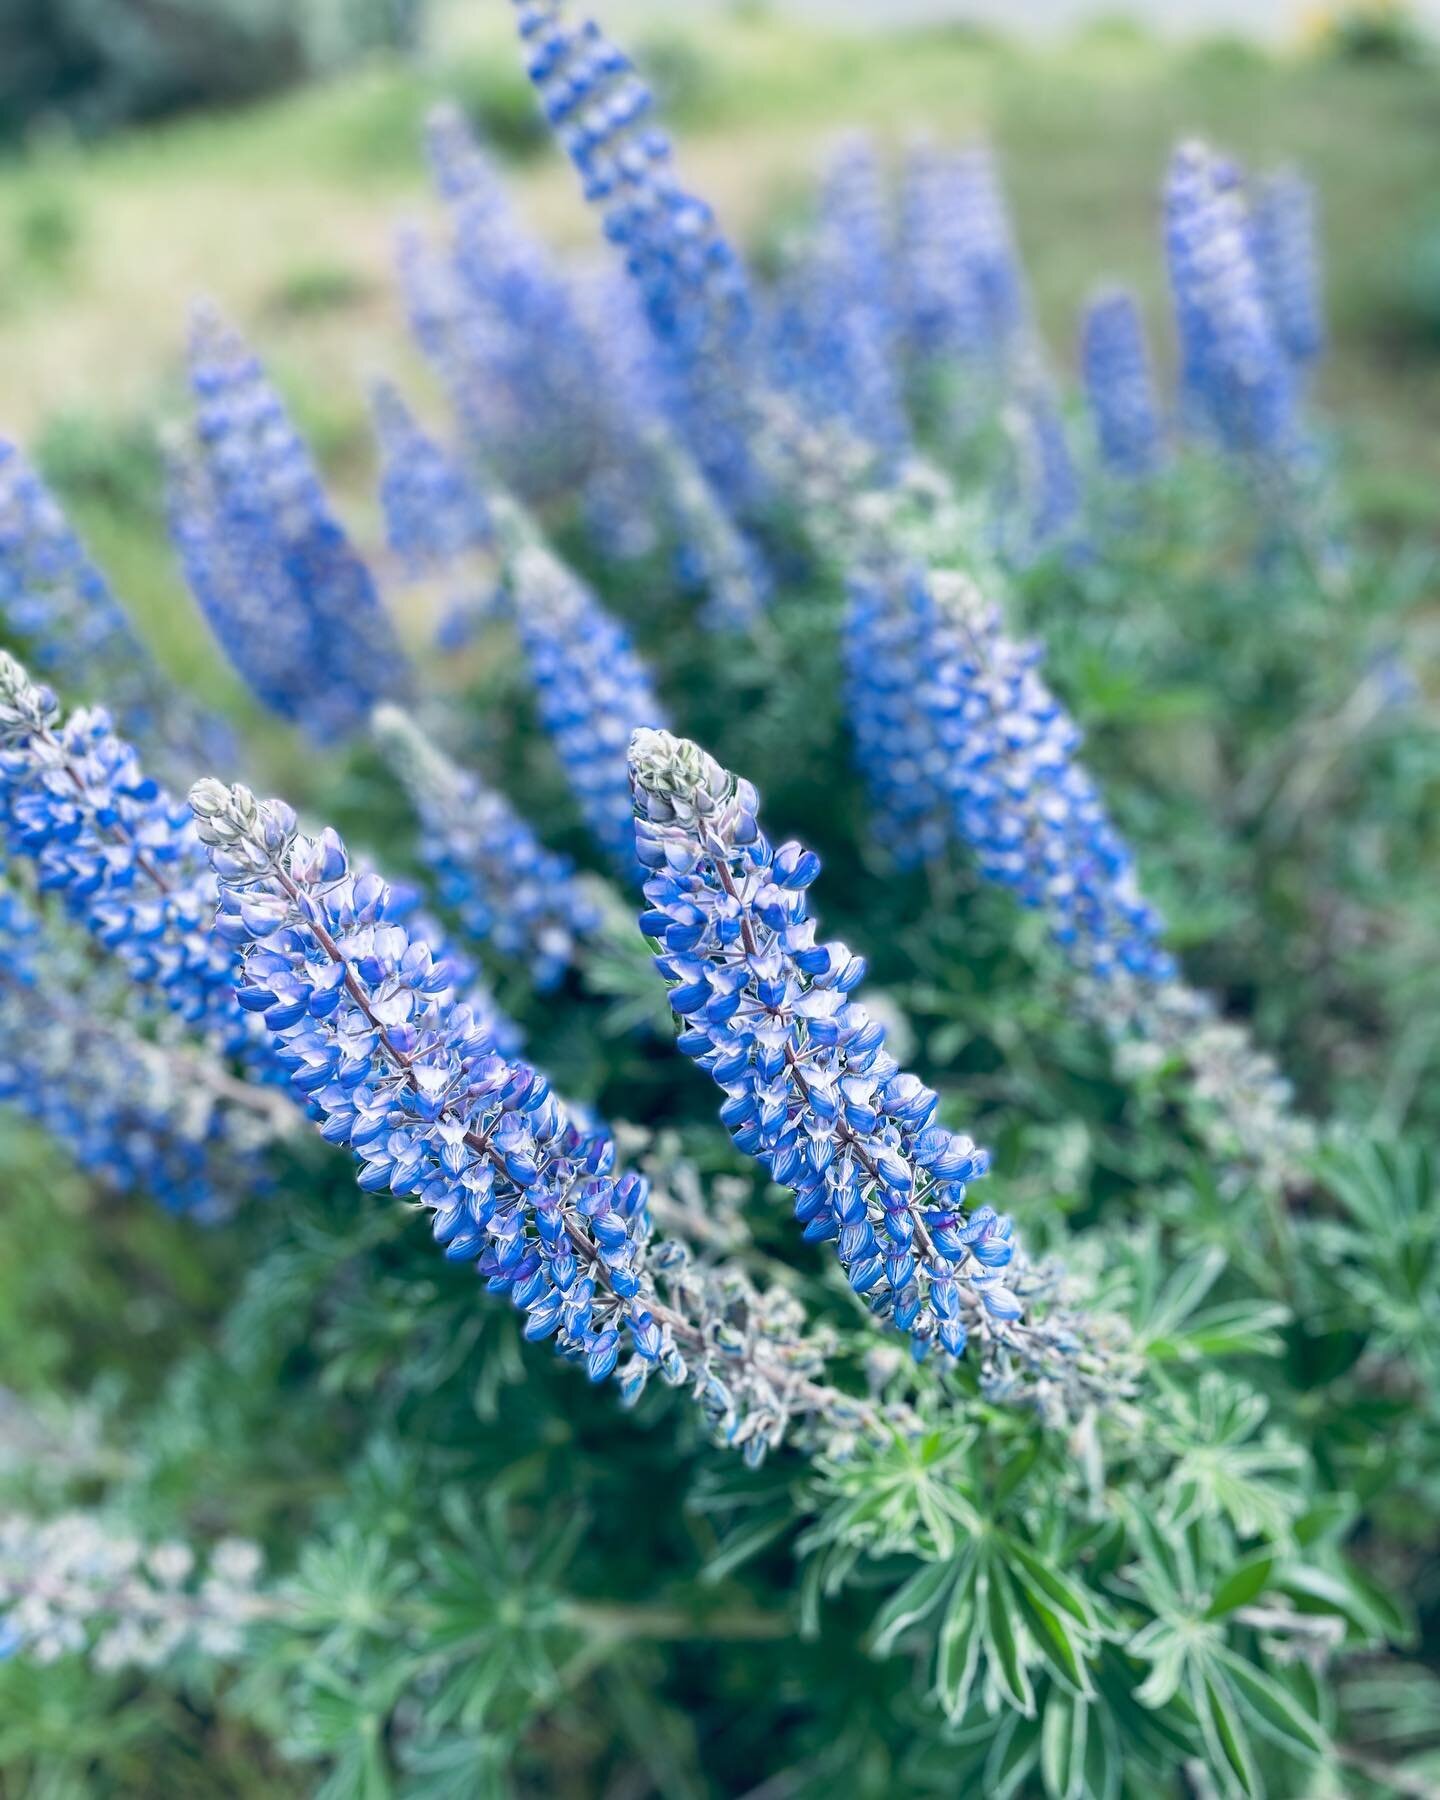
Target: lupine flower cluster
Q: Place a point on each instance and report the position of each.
(57, 604)
(1120, 385)
(394, 1067)
(162, 1119)
(959, 297)
(692, 286)
(963, 302)
(894, 740)
(118, 850)
(1237, 380)
(506, 335)
(1016, 792)
(437, 518)
(810, 1089)
(549, 375)
(958, 733)
(963, 295)
(591, 689)
(838, 343)
(54, 599)
(1036, 819)
(713, 556)
(1046, 502)
(320, 973)
(1285, 247)
(698, 299)
(78, 1585)
(490, 869)
(544, 383)
(290, 601)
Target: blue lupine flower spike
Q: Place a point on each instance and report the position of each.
(1120, 385)
(692, 284)
(57, 606)
(960, 738)
(291, 602)
(490, 868)
(120, 851)
(393, 1066)
(1237, 383)
(1286, 246)
(592, 689)
(142, 1116)
(810, 1089)
(837, 332)
(438, 521)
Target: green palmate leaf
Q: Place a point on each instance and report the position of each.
(1244, 1582)
(1327, 1517)
(1157, 1737)
(1218, 1711)
(1002, 1638)
(1238, 1328)
(1014, 1473)
(1347, 1595)
(1104, 1766)
(1274, 1711)
(919, 1596)
(359, 1773)
(1161, 1645)
(1031, 1570)
(1390, 1616)
(1013, 1754)
(1056, 1637)
(957, 1655)
(458, 1768)
(1181, 1294)
(1064, 1735)
(1163, 1552)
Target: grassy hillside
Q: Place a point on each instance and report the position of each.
(284, 215)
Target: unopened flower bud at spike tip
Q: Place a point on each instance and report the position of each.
(677, 767)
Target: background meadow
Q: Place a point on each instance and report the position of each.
(432, 1558)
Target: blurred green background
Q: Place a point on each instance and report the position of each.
(126, 190)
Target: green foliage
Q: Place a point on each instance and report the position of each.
(484, 1579)
(112, 464)
(1376, 31)
(102, 63)
(317, 288)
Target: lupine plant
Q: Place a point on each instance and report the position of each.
(167, 1118)
(1120, 385)
(591, 690)
(115, 846)
(58, 606)
(1237, 378)
(291, 602)
(489, 867)
(437, 519)
(1095, 1464)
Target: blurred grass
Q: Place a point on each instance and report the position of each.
(284, 214)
